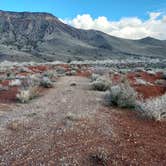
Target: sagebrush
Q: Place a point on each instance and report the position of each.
(122, 95)
(25, 95)
(154, 108)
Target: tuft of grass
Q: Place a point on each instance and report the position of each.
(72, 117)
(14, 125)
(101, 157)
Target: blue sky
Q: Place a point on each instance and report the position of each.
(133, 19)
(112, 9)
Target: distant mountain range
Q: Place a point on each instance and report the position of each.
(42, 37)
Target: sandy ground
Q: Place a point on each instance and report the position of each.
(70, 126)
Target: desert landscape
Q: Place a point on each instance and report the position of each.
(82, 83)
(80, 113)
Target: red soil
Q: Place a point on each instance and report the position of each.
(132, 141)
(23, 74)
(9, 95)
(138, 141)
(40, 68)
(84, 73)
(5, 82)
(66, 66)
(116, 78)
(148, 91)
(145, 76)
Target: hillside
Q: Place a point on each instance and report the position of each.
(39, 37)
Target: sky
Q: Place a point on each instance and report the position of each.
(131, 19)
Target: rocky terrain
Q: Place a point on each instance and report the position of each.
(42, 37)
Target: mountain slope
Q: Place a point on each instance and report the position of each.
(42, 37)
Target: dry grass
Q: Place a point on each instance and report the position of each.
(122, 95)
(14, 125)
(154, 108)
(25, 95)
(101, 157)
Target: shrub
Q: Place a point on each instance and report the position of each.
(2, 77)
(94, 77)
(72, 117)
(15, 82)
(160, 82)
(10, 76)
(122, 95)
(164, 75)
(50, 74)
(24, 69)
(141, 81)
(154, 108)
(46, 82)
(31, 80)
(101, 156)
(27, 94)
(101, 84)
(151, 72)
(60, 70)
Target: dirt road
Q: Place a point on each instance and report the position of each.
(55, 128)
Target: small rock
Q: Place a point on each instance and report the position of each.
(73, 84)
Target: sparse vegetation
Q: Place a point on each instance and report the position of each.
(101, 156)
(101, 83)
(15, 82)
(46, 82)
(94, 77)
(25, 95)
(75, 113)
(14, 125)
(72, 117)
(154, 108)
(50, 74)
(122, 95)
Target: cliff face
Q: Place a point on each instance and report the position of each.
(42, 37)
(26, 29)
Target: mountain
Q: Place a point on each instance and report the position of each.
(42, 37)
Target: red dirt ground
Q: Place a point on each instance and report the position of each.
(66, 66)
(145, 76)
(146, 91)
(24, 74)
(85, 73)
(139, 141)
(9, 95)
(41, 68)
(5, 82)
(134, 142)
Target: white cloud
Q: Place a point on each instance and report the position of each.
(154, 15)
(131, 27)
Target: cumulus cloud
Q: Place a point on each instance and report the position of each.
(130, 27)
